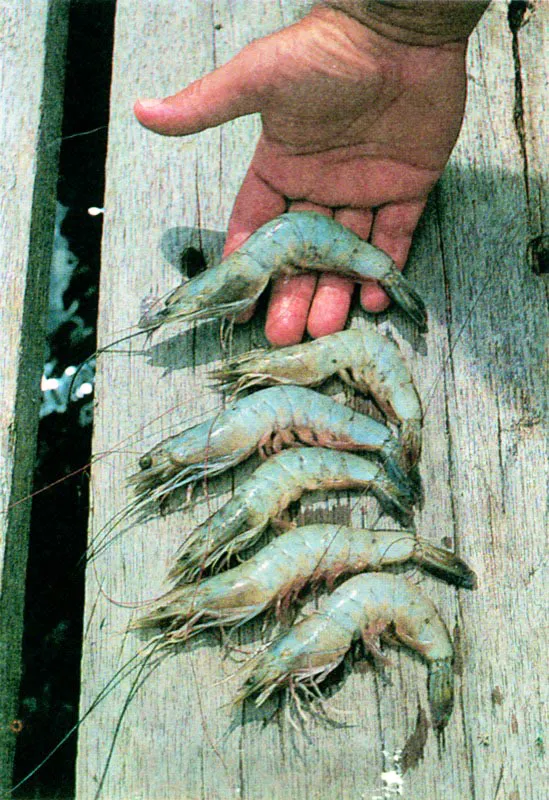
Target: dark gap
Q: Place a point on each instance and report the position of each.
(517, 17)
(55, 581)
(192, 262)
(538, 251)
(517, 14)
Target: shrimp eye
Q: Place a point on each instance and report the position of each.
(145, 462)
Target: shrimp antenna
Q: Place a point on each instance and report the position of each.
(137, 683)
(97, 352)
(454, 344)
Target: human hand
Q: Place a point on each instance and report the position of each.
(355, 125)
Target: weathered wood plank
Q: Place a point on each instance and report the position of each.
(32, 47)
(497, 419)
(479, 372)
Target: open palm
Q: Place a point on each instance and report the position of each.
(355, 125)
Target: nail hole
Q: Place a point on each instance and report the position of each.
(518, 13)
(538, 251)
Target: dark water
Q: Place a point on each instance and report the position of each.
(55, 585)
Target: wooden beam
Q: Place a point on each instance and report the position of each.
(32, 48)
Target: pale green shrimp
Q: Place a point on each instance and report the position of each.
(273, 486)
(366, 606)
(363, 357)
(286, 245)
(274, 576)
(268, 421)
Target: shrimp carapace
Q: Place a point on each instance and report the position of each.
(290, 243)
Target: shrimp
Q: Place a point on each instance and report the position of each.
(272, 487)
(276, 574)
(368, 606)
(296, 241)
(362, 357)
(268, 420)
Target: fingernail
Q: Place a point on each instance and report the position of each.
(150, 102)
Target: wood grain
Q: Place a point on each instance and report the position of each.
(32, 46)
(479, 372)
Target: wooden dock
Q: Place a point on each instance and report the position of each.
(163, 729)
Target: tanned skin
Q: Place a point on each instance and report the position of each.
(359, 119)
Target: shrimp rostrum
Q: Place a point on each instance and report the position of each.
(363, 357)
(276, 574)
(267, 421)
(292, 242)
(366, 606)
(263, 497)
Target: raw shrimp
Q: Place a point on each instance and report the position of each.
(368, 606)
(267, 420)
(272, 487)
(363, 357)
(292, 242)
(276, 574)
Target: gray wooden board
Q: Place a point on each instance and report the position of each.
(32, 47)
(479, 371)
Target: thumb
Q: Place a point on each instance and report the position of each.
(230, 91)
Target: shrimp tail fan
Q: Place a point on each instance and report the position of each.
(404, 295)
(393, 456)
(410, 439)
(440, 687)
(445, 564)
(396, 501)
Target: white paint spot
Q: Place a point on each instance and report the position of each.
(94, 211)
(393, 782)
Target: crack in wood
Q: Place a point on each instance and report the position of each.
(449, 366)
(501, 459)
(517, 17)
